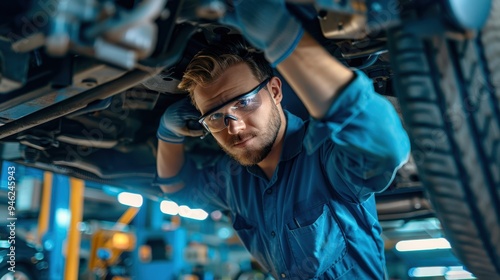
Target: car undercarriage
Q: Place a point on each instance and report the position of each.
(84, 84)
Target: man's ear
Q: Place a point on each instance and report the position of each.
(275, 90)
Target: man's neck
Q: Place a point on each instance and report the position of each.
(269, 164)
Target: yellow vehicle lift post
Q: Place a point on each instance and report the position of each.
(73, 246)
(58, 224)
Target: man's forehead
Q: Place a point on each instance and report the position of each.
(234, 81)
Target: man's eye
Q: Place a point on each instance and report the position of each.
(244, 102)
(215, 117)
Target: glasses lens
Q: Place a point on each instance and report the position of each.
(240, 108)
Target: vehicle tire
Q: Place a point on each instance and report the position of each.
(449, 92)
(21, 273)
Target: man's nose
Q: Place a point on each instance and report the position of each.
(234, 125)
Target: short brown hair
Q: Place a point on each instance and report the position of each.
(209, 64)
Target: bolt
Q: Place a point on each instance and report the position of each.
(322, 14)
(89, 82)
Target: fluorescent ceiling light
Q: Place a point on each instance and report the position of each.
(427, 271)
(449, 273)
(169, 207)
(196, 214)
(422, 244)
(458, 272)
(130, 199)
(184, 211)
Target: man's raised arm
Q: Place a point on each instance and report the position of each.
(171, 133)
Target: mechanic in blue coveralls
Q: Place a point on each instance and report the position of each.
(300, 194)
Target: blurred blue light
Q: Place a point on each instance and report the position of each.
(224, 233)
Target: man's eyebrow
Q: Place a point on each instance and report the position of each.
(252, 91)
(236, 98)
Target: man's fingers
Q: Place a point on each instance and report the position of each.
(194, 125)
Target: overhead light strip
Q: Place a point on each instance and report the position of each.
(422, 244)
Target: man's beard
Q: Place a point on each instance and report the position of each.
(248, 157)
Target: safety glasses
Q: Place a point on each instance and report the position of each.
(235, 109)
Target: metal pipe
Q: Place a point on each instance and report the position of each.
(147, 10)
(76, 102)
(175, 51)
(373, 51)
(369, 61)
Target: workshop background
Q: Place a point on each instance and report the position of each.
(67, 228)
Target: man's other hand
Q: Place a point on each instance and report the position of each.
(180, 120)
(267, 25)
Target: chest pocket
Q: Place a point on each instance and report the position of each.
(317, 243)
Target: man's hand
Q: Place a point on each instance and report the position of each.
(267, 25)
(179, 120)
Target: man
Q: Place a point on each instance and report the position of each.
(300, 194)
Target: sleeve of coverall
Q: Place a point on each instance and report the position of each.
(365, 141)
